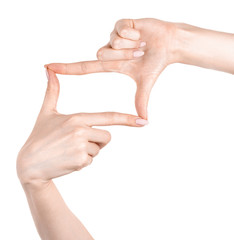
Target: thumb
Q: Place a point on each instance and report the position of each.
(52, 92)
(141, 100)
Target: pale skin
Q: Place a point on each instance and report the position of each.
(141, 49)
(58, 145)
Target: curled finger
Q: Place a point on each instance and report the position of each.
(93, 149)
(109, 54)
(117, 42)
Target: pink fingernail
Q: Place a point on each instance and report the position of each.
(142, 44)
(141, 122)
(138, 53)
(47, 74)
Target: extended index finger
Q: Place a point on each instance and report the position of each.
(80, 68)
(112, 118)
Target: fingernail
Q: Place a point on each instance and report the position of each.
(138, 53)
(142, 44)
(47, 74)
(141, 122)
(46, 65)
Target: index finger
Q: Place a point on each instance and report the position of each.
(112, 118)
(80, 68)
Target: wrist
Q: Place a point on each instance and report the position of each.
(34, 186)
(182, 40)
(29, 179)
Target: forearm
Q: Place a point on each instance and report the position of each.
(205, 48)
(52, 217)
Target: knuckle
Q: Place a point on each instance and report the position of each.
(116, 43)
(124, 31)
(109, 116)
(100, 53)
(82, 147)
(113, 116)
(79, 131)
(85, 160)
(83, 157)
(97, 152)
(89, 161)
(112, 34)
(65, 69)
(120, 21)
(83, 68)
(108, 136)
(81, 160)
(129, 120)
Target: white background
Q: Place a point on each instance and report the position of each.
(170, 180)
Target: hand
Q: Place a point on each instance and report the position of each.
(60, 144)
(148, 46)
(139, 48)
(145, 47)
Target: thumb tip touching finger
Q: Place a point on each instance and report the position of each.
(141, 108)
(52, 91)
(142, 112)
(141, 103)
(56, 67)
(51, 76)
(136, 121)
